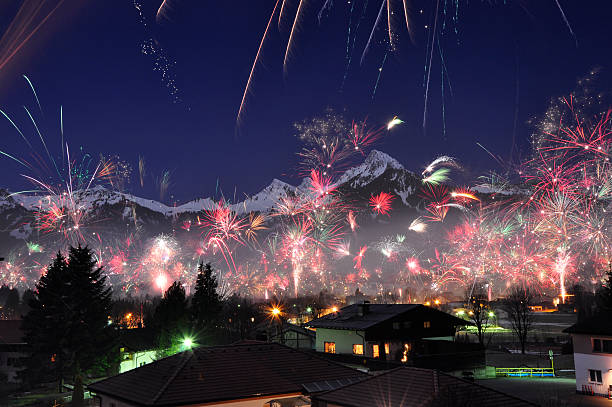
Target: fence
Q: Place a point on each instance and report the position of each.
(524, 371)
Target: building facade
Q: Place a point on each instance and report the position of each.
(592, 340)
(385, 331)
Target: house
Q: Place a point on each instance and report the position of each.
(385, 331)
(408, 387)
(137, 348)
(12, 348)
(244, 375)
(592, 339)
(294, 336)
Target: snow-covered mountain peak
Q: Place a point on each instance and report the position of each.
(373, 167)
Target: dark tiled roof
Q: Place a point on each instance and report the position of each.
(221, 373)
(408, 387)
(10, 332)
(598, 325)
(349, 318)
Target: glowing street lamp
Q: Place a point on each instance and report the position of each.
(187, 342)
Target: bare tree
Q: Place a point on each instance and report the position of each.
(521, 317)
(479, 312)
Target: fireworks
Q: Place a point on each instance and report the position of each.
(381, 203)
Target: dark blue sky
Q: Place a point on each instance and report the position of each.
(89, 60)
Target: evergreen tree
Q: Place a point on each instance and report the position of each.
(67, 325)
(171, 319)
(604, 296)
(205, 304)
(90, 338)
(11, 304)
(45, 326)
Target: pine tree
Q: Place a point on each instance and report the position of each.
(45, 326)
(90, 338)
(604, 295)
(171, 319)
(205, 304)
(67, 325)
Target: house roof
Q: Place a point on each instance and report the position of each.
(349, 317)
(407, 387)
(221, 373)
(11, 333)
(597, 325)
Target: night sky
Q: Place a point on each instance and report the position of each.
(88, 58)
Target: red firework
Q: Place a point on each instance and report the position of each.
(381, 203)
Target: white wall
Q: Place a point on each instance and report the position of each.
(138, 358)
(344, 339)
(598, 361)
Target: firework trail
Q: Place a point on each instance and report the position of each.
(32, 15)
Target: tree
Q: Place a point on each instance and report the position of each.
(205, 304)
(171, 319)
(521, 318)
(67, 325)
(45, 325)
(11, 304)
(90, 338)
(604, 295)
(479, 313)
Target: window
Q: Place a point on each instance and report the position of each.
(330, 347)
(396, 325)
(427, 324)
(596, 345)
(387, 348)
(595, 376)
(375, 351)
(357, 349)
(602, 345)
(407, 324)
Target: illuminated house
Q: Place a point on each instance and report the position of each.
(592, 339)
(384, 331)
(137, 348)
(245, 375)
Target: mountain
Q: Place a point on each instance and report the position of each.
(124, 227)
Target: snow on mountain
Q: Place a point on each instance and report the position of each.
(376, 164)
(373, 167)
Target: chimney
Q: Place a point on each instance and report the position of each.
(363, 309)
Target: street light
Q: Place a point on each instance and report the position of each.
(187, 342)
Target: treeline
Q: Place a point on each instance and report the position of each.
(74, 328)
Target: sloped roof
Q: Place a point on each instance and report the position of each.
(349, 318)
(221, 373)
(597, 325)
(11, 333)
(408, 387)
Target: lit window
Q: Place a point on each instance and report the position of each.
(330, 347)
(427, 324)
(387, 348)
(595, 376)
(375, 351)
(357, 349)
